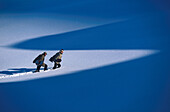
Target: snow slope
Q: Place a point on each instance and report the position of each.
(116, 55)
(74, 36)
(15, 68)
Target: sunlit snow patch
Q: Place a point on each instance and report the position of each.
(80, 60)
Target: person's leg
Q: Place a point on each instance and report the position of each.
(58, 65)
(45, 66)
(38, 68)
(55, 65)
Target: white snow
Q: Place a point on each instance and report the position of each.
(19, 27)
(16, 64)
(73, 61)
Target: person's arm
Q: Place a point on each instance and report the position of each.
(56, 56)
(41, 58)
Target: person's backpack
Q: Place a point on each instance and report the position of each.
(36, 58)
(52, 58)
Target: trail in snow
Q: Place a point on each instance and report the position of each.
(73, 61)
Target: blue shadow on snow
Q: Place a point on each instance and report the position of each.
(138, 33)
(134, 86)
(16, 70)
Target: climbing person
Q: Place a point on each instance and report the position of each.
(57, 59)
(39, 61)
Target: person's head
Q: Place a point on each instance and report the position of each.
(44, 53)
(61, 51)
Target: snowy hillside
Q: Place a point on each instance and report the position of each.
(16, 63)
(116, 56)
(16, 68)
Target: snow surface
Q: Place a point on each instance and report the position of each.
(17, 63)
(19, 27)
(73, 61)
(116, 56)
